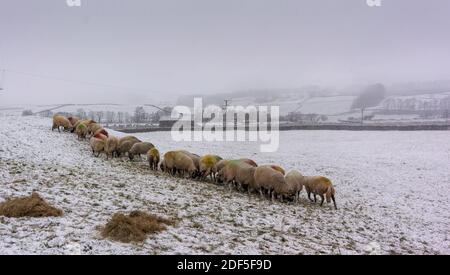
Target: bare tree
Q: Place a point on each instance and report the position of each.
(81, 113)
(139, 114)
(110, 116)
(120, 117)
(91, 115)
(100, 116)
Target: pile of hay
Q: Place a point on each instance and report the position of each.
(134, 227)
(32, 206)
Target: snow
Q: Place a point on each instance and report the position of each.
(393, 191)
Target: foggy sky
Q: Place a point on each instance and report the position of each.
(166, 48)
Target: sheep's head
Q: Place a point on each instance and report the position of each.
(220, 176)
(193, 172)
(162, 166)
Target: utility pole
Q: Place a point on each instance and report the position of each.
(225, 106)
(362, 116)
(224, 115)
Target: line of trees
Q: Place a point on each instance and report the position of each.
(138, 116)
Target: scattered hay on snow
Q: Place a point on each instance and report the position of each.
(32, 206)
(134, 227)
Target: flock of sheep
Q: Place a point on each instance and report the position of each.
(244, 174)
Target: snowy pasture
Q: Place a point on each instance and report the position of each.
(393, 194)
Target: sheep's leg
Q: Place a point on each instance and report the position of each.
(334, 201)
(315, 199)
(309, 196)
(323, 198)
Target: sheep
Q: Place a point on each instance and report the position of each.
(195, 158)
(318, 185)
(84, 121)
(102, 131)
(207, 166)
(125, 148)
(294, 180)
(267, 178)
(245, 175)
(93, 127)
(130, 138)
(111, 146)
(100, 136)
(249, 161)
(153, 158)
(220, 164)
(81, 131)
(184, 163)
(168, 162)
(139, 148)
(73, 120)
(97, 145)
(292, 187)
(61, 121)
(278, 168)
(178, 161)
(228, 173)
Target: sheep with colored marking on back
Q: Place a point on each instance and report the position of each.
(100, 136)
(102, 131)
(318, 185)
(207, 166)
(81, 131)
(278, 168)
(73, 120)
(139, 148)
(61, 121)
(97, 145)
(249, 161)
(92, 128)
(111, 146)
(153, 158)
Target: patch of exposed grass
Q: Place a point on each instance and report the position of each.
(133, 227)
(32, 206)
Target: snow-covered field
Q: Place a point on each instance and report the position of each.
(393, 194)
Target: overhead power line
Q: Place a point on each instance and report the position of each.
(81, 82)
